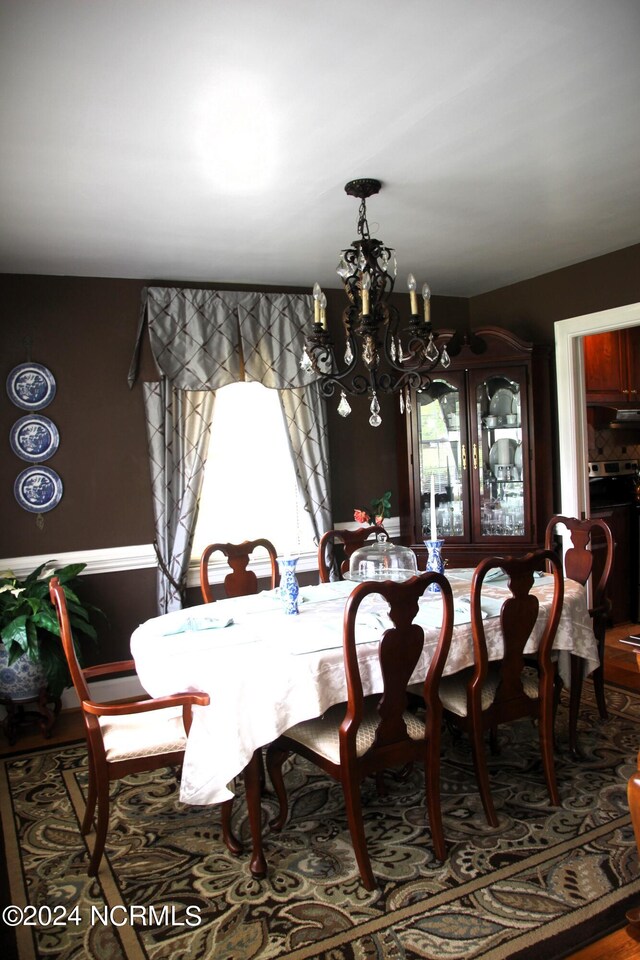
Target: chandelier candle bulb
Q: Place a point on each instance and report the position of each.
(323, 310)
(426, 293)
(317, 293)
(411, 283)
(434, 532)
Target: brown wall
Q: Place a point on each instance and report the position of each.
(84, 330)
(531, 308)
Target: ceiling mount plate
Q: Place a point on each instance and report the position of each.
(362, 188)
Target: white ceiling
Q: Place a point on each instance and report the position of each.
(206, 140)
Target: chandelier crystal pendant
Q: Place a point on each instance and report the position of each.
(378, 356)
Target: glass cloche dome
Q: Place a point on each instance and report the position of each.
(382, 560)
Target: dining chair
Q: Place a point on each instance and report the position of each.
(240, 582)
(367, 735)
(349, 541)
(498, 691)
(579, 566)
(124, 738)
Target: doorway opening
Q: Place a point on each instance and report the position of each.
(572, 418)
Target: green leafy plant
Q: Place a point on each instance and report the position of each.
(28, 623)
(380, 508)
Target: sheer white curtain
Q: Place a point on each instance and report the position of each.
(243, 499)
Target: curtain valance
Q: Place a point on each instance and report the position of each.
(205, 339)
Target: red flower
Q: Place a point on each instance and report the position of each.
(361, 516)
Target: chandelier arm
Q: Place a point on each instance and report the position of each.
(322, 356)
(414, 379)
(358, 386)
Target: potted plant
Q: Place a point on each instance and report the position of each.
(30, 634)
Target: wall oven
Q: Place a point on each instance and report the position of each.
(612, 495)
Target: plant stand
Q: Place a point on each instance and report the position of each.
(42, 714)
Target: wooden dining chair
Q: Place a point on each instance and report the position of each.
(492, 692)
(367, 735)
(349, 541)
(240, 582)
(123, 738)
(579, 565)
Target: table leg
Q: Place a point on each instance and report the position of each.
(253, 792)
(577, 667)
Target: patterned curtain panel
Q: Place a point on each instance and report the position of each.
(305, 415)
(178, 430)
(201, 341)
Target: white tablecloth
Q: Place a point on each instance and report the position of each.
(265, 670)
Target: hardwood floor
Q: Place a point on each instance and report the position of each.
(620, 668)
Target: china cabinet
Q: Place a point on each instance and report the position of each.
(612, 366)
(475, 451)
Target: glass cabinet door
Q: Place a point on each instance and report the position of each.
(442, 454)
(498, 462)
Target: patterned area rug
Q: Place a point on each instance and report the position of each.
(542, 884)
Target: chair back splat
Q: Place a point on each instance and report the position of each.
(589, 538)
(374, 732)
(498, 691)
(348, 541)
(240, 582)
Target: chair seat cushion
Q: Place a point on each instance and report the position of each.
(453, 689)
(143, 734)
(321, 733)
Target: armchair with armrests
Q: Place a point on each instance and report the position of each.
(367, 735)
(350, 540)
(240, 582)
(123, 738)
(493, 692)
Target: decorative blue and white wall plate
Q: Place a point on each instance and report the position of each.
(38, 489)
(31, 386)
(34, 438)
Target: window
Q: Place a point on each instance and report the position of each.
(250, 488)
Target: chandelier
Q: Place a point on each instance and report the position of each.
(379, 355)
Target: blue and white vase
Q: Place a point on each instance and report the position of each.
(434, 562)
(289, 588)
(23, 680)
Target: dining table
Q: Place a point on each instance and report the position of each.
(266, 670)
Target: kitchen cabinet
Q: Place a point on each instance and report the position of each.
(612, 367)
(480, 434)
